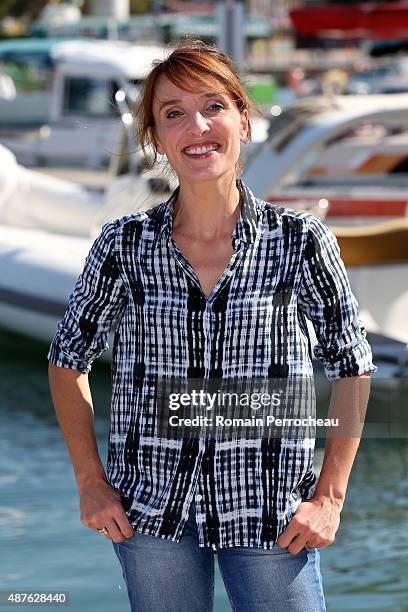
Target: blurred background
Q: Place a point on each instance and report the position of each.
(331, 84)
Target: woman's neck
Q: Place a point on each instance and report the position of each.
(207, 211)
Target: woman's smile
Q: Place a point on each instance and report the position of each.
(201, 153)
(201, 150)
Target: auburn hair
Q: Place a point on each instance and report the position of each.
(192, 65)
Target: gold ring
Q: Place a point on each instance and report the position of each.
(103, 531)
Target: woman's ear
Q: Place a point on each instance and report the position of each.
(244, 127)
(156, 142)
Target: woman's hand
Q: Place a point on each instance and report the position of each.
(100, 506)
(314, 525)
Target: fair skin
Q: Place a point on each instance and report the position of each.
(205, 216)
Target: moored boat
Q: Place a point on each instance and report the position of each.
(350, 152)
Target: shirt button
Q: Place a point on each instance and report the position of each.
(199, 497)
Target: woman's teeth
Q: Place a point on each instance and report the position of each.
(201, 150)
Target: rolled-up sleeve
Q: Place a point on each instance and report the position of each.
(95, 303)
(327, 300)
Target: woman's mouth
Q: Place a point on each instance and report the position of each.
(199, 152)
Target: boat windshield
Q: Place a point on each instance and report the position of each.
(293, 120)
(366, 153)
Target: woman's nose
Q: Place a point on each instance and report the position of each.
(197, 124)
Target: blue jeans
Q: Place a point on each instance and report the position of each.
(165, 576)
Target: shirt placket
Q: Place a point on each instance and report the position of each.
(200, 492)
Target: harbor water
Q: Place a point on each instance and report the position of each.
(44, 547)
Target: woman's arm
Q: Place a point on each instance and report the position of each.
(317, 520)
(348, 404)
(98, 299)
(100, 504)
(327, 300)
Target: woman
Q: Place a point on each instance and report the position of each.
(213, 284)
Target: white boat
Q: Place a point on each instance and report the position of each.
(350, 152)
(31, 199)
(38, 271)
(29, 64)
(84, 111)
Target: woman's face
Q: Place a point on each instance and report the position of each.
(199, 132)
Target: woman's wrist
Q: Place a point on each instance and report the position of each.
(86, 480)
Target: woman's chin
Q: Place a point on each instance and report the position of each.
(204, 174)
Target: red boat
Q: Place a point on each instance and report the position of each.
(366, 20)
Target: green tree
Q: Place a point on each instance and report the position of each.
(20, 8)
(138, 7)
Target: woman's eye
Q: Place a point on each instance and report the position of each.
(176, 113)
(216, 106)
(171, 114)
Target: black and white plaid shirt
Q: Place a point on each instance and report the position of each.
(285, 267)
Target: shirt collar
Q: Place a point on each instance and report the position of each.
(247, 225)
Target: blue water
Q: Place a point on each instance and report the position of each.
(44, 546)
